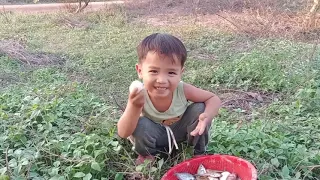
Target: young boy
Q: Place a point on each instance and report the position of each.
(160, 115)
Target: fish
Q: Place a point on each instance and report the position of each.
(206, 178)
(212, 178)
(225, 175)
(201, 170)
(213, 174)
(207, 174)
(213, 171)
(185, 176)
(232, 176)
(201, 178)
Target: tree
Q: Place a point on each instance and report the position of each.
(79, 8)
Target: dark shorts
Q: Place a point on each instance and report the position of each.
(151, 138)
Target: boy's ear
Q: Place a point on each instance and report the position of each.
(182, 70)
(138, 69)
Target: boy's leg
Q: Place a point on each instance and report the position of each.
(187, 124)
(150, 138)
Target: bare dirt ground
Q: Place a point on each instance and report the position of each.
(54, 7)
(269, 18)
(19, 2)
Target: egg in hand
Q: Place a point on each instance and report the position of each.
(136, 84)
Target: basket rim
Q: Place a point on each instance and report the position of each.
(183, 163)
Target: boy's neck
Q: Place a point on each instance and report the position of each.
(161, 101)
(170, 96)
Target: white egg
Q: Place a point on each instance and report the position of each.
(136, 84)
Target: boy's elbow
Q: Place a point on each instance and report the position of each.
(122, 133)
(218, 100)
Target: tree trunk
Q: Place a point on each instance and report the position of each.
(80, 8)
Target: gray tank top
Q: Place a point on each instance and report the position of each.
(177, 108)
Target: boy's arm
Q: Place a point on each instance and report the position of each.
(211, 101)
(129, 119)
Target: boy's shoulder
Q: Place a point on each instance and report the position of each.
(196, 94)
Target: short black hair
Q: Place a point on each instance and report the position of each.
(162, 43)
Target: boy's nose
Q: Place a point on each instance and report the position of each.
(161, 79)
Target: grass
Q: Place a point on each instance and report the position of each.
(58, 122)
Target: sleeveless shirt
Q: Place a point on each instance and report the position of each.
(177, 108)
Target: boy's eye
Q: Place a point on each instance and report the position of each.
(174, 73)
(153, 71)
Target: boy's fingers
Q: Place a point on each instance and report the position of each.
(202, 117)
(199, 129)
(194, 132)
(137, 98)
(202, 130)
(201, 126)
(133, 93)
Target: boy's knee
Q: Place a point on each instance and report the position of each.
(193, 112)
(141, 127)
(143, 139)
(197, 107)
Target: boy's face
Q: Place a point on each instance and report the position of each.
(160, 74)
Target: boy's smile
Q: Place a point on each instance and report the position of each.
(160, 74)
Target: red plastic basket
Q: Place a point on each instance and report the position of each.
(244, 169)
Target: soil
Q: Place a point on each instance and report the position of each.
(22, 2)
(255, 18)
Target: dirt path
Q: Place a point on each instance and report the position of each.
(39, 8)
(234, 16)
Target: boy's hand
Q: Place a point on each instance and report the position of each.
(202, 124)
(137, 98)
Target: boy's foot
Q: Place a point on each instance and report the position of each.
(199, 154)
(141, 159)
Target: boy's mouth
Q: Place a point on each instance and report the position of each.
(161, 88)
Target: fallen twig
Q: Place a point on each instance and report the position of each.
(312, 167)
(123, 165)
(7, 162)
(65, 159)
(196, 8)
(239, 125)
(117, 103)
(232, 23)
(233, 90)
(313, 51)
(4, 14)
(28, 171)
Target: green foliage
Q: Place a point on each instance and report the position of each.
(280, 149)
(55, 130)
(273, 66)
